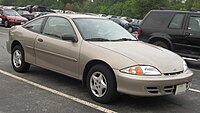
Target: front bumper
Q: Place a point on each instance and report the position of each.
(14, 23)
(151, 85)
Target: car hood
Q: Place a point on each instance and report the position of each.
(17, 17)
(146, 54)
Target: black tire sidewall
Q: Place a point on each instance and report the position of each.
(111, 83)
(24, 66)
(161, 44)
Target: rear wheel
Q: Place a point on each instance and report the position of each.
(161, 44)
(101, 84)
(18, 60)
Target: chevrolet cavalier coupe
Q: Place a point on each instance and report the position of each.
(100, 53)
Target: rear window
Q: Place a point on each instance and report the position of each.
(157, 19)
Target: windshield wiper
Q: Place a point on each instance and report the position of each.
(124, 39)
(97, 39)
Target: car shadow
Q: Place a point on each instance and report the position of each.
(194, 65)
(124, 103)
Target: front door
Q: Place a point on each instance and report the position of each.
(192, 34)
(54, 53)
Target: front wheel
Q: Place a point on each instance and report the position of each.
(18, 60)
(6, 23)
(101, 84)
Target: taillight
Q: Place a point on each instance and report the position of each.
(139, 32)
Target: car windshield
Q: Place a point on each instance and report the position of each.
(10, 13)
(102, 30)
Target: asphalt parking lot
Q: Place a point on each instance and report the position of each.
(41, 90)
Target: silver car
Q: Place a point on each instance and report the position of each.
(102, 54)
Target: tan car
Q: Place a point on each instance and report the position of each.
(99, 52)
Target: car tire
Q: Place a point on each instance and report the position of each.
(101, 84)
(18, 60)
(161, 44)
(6, 23)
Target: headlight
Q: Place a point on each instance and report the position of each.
(185, 67)
(142, 70)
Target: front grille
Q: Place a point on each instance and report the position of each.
(166, 90)
(161, 90)
(169, 89)
(153, 90)
(174, 73)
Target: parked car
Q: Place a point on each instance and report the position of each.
(43, 13)
(119, 21)
(106, 57)
(124, 23)
(178, 31)
(26, 14)
(133, 26)
(11, 18)
(36, 14)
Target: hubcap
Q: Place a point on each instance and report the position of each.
(6, 23)
(17, 58)
(130, 29)
(98, 84)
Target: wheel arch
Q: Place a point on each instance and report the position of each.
(88, 67)
(14, 43)
(161, 37)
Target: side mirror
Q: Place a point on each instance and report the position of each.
(69, 37)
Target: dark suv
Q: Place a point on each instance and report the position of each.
(178, 31)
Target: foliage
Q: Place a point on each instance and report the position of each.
(130, 8)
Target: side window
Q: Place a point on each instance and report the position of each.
(177, 21)
(57, 27)
(157, 20)
(35, 25)
(194, 24)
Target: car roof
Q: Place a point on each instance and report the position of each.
(176, 11)
(5, 9)
(74, 15)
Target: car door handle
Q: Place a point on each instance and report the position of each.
(188, 34)
(40, 40)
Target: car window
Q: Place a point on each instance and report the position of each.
(10, 13)
(194, 24)
(35, 25)
(177, 21)
(157, 20)
(57, 27)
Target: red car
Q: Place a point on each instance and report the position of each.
(11, 18)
